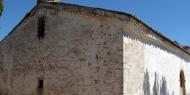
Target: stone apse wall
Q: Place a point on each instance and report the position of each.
(88, 51)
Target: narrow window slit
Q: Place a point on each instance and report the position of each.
(182, 83)
(41, 27)
(40, 84)
(40, 87)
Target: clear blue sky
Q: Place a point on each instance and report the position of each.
(170, 17)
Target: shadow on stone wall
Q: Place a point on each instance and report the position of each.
(159, 87)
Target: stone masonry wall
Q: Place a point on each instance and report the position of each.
(79, 55)
(90, 52)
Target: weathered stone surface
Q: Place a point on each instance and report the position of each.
(79, 55)
(87, 51)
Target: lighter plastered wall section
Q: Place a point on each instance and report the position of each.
(161, 70)
(133, 66)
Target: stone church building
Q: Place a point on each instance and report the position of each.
(66, 49)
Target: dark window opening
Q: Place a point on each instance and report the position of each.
(182, 83)
(40, 87)
(41, 27)
(40, 84)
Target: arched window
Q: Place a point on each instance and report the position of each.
(182, 83)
